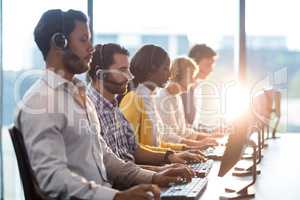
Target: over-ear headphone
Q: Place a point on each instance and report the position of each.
(103, 74)
(99, 72)
(59, 39)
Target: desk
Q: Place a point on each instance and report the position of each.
(280, 172)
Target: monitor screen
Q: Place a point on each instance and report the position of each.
(237, 141)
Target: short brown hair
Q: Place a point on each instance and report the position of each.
(200, 51)
(103, 57)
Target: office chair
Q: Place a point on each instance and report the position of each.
(31, 188)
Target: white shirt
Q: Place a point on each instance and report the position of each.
(160, 132)
(149, 104)
(171, 111)
(67, 153)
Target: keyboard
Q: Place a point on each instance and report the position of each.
(186, 191)
(215, 153)
(202, 167)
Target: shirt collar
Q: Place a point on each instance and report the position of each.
(100, 98)
(142, 89)
(56, 81)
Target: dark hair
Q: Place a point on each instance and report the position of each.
(147, 59)
(200, 51)
(103, 57)
(55, 21)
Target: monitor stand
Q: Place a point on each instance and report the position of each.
(263, 144)
(275, 128)
(238, 192)
(262, 141)
(245, 169)
(268, 131)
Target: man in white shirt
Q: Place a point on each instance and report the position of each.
(60, 126)
(204, 56)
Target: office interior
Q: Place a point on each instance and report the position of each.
(258, 50)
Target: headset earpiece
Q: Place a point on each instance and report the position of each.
(59, 41)
(101, 75)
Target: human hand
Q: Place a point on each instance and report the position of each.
(139, 192)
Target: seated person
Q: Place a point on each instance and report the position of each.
(169, 103)
(109, 74)
(151, 69)
(204, 57)
(61, 130)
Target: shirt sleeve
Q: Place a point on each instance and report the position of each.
(124, 174)
(130, 135)
(169, 127)
(47, 154)
(130, 108)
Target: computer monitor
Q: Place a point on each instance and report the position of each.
(237, 141)
(263, 104)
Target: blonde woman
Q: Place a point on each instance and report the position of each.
(170, 107)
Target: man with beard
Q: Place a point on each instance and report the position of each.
(109, 74)
(61, 130)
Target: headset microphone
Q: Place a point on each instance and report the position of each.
(102, 75)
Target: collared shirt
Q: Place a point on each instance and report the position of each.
(67, 153)
(116, 130)
(170, 109)
(148, 97)
(171, 112)
(160, 131)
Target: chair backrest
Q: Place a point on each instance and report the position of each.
(31, 188)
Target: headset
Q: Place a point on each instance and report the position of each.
(102, 74)
(99, 71)
(59, 41)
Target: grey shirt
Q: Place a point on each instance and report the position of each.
(67, 153)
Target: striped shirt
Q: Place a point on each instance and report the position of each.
(116, 130)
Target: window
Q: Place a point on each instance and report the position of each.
(273, 51)
(19, 54)
(175, 26)
(1, 86)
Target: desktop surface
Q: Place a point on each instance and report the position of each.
(280, 172)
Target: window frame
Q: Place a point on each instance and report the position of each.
(1, 104)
